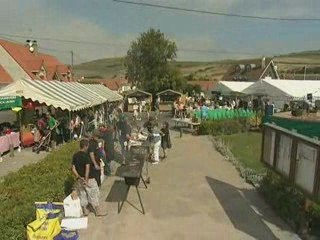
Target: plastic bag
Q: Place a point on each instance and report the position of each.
(67, 235)
(47, 223)
(72, 206)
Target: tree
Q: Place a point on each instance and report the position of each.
(147, 62)
(191, 89)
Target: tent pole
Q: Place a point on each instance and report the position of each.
(70, 134)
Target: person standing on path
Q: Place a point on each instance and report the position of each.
(94, 155)
(52, 124)
(107, 136)
(86, 185)
(165, 139)
(125, 136)
(154, 138)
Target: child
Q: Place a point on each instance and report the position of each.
(165, 138)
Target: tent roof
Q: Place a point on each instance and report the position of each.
(227, 87)
(169, 92)
(104, 92)
(288, 88)
(22, 88)
(138, 93)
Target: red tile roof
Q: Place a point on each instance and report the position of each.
(113, 84)
(32, 62)
(5, 78)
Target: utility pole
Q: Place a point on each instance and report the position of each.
(72, 59)
(305, 72)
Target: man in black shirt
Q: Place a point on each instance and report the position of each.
(93, 151)
(86, 184)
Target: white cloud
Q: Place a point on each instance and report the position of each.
(33, 18)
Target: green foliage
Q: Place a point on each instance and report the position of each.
(48, 180)
(192, 89)
(250, 172)
(314, 216)
(289, 203)
(147, 62)
(223, 127)
(297, 112)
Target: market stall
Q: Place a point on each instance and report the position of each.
(9, 136)
(60, 98)
(167, 98)
(135, 98)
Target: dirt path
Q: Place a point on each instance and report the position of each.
(195, 194)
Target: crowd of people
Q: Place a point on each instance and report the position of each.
(185, 107)
(97, 150)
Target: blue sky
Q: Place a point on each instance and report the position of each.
(118, 24)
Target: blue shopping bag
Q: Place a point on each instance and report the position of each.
(67, 235)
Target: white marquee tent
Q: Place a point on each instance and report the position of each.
(231, 87)
(284, 88)
(282, 91)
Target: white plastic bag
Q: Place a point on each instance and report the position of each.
(72, 206)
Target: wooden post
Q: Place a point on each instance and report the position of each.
(262, 144)
(276, 148)
(316, 186)
(11, 150)
(293, 160)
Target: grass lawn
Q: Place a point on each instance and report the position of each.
(247, 148)
(48, 180)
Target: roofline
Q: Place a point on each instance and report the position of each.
(26, 71)
(169, 90)
(275, 71)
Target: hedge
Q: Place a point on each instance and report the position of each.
(48, 180)
(289, 203)
(224, 127)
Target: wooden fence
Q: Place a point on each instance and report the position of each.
(294, 156)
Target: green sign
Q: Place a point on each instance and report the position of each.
(10, 102)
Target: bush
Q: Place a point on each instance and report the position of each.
(289, 203)
(297, 112)
(223, 127)
(48, 180)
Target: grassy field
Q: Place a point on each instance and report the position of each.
(247, 148)
(110, 68)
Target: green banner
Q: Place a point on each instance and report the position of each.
(10, 102)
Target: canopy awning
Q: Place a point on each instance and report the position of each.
(297, 89)
(104, 92)
(231, 87)
(70, 96)
(22, 88)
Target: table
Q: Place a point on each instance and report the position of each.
(132, 174)
(187, 121)
(12, 139)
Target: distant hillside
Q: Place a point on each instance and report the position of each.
(101, 68)
(113, 68)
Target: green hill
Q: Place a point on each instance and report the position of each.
(113, 68)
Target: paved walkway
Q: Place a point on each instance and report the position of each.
(195, 194)
(20, 159)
